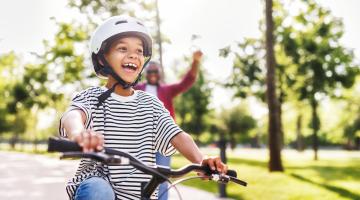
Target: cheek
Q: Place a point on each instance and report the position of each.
(110, 59)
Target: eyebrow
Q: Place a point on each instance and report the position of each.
(121, 42)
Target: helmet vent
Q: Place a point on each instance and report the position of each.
(140, 23)
(120, 22)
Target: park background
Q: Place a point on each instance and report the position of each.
(44, 60)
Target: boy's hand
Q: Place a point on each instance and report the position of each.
(89, 140)
(215, 163)
(197, 55)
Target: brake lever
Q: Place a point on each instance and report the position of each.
(223, 179)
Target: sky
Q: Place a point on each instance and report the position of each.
(24, 24)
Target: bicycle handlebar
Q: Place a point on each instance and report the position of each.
(73, 150)
(114, 157)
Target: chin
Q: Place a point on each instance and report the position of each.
(130, 80)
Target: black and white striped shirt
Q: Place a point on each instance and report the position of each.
(137, 124)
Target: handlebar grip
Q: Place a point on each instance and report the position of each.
(62, 145)
(231, 172)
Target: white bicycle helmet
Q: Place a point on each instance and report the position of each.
(114, 27)
(111, 29)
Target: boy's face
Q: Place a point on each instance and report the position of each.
(126, 58)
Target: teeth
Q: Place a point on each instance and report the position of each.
(130, 65)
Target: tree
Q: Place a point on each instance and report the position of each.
(9, 63)
(253, 77)
(308, 54)
(324, 67)
(16, 101)
(274, 120)
(237, 123)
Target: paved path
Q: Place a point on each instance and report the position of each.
(30, 177)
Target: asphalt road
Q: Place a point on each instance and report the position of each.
(30, 177)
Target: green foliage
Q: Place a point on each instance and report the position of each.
(25, 90)
(65, 55)
(248, 74)
(312, 63)
(237, 123)
(192, 107)
(323, 65)
(9, 71)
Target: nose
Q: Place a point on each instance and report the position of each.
(133, 55)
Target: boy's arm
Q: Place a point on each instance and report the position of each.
(73, 123)
(187, 147)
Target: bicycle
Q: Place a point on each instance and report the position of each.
(159, 174)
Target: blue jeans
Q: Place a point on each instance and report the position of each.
(94, 188)
(164, 161)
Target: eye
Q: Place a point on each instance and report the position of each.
(140, 51)
(122, 49)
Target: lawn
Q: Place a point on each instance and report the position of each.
(335, 176)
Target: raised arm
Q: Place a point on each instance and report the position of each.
(189, 79)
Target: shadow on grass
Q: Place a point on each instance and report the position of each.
(350, 171)
(341, 191)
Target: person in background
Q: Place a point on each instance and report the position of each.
(166, 94)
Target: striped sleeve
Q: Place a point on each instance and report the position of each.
(165, 129)
(79, 102)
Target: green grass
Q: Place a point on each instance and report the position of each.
(335, 176)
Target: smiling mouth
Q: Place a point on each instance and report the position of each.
(130, 67)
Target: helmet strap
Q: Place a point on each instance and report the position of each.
(108, 70)
(106, 94)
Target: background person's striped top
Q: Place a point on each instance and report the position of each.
(137, 124)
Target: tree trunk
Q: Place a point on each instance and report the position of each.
(275, 163)
(281, 101)
(357, 143)
(35, 145)
(232, 141)
(299, 137)
(315, 123)
(281, 130)
(14, 140)
(159, 40)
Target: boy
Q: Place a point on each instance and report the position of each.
(117, 116)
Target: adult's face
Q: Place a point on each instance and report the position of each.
(153, 74)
